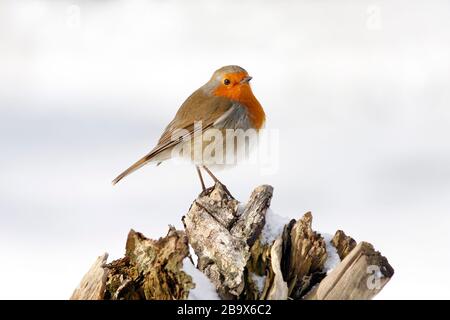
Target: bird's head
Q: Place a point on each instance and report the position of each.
(231, 82)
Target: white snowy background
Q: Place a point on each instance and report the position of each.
(359, 91)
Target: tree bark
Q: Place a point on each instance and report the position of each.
(221, 235)
(226, 237)
(361, 275)
(92, 286)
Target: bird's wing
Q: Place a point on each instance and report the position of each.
(198, 107)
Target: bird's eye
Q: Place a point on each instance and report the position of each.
(226, 82)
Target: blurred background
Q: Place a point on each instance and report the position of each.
(358, 90)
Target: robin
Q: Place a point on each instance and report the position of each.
(225, 102)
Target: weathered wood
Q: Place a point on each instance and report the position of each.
(343, 243)
(238, 260)
(278, 289)
(258, 265)
(252, 220)
(92, 286)
(221, 256)
(361, 275)
(151, 269)
(304, 255)
(220, 235)
(219, 204)
(265, 260)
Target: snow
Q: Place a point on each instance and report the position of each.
(240, 209)
(379, 274)
(193, 255)
(204, 289)
(273, 227)
(332, 255)
(259, 281)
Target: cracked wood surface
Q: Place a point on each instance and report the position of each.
(226, 237)
(221, 236)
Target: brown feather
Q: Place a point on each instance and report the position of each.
(207, 104)
(200, 106)
(131, 169)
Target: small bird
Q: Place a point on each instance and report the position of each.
(225, 102)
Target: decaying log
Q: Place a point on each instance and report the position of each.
(361, 275)
(278, 288)
(221, 235)
(252, 220)
(150, 270)
(304, 256)
(92, 286)
(343, 243)
(242, 263)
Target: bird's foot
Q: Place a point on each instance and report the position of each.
(217, 184)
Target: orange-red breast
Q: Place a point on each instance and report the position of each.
(226, 101)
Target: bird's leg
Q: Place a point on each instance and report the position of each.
(211, 175)
(201, 178)
(217, 180)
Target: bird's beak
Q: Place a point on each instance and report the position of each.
(246, 79)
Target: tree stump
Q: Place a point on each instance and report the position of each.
(239, 259)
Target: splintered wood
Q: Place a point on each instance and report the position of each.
(361, 275)
(92, 286)
(221, 235)
(226, 238)
(151, 269)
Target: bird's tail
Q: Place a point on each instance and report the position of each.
(133, 168)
